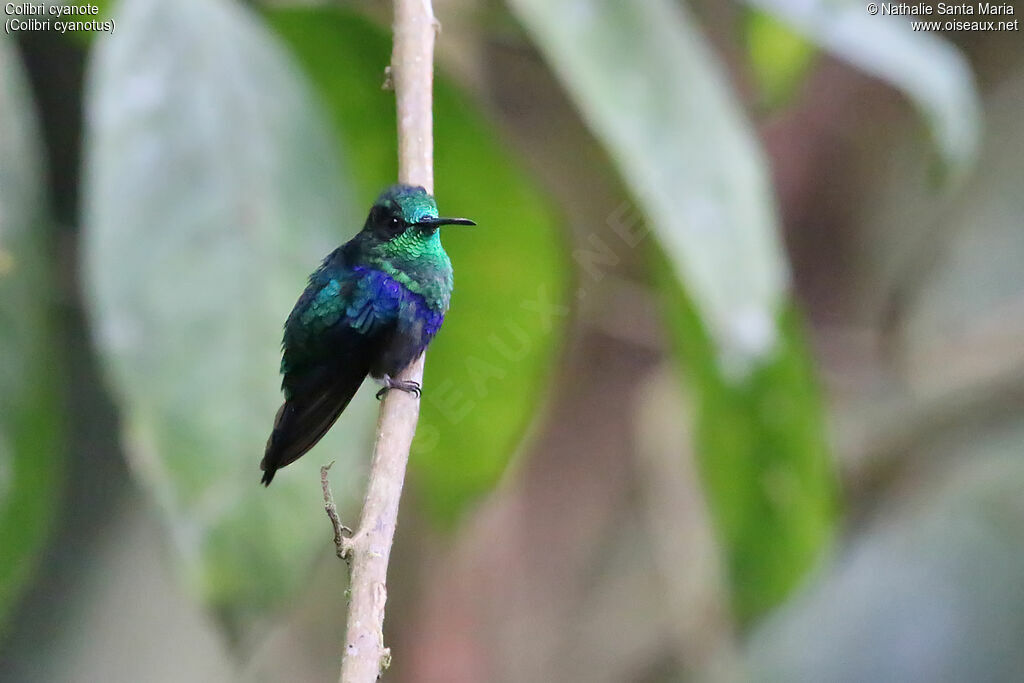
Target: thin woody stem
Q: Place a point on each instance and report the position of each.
(365, 658)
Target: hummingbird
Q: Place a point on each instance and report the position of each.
(371, 308)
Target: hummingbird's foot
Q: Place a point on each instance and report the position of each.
(408, 385)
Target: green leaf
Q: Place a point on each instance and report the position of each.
(212, 191)
(779, 57)
(762, 456)
(102, 24)
(931, 71)
(648, 87)
(30, 420)
(487, 370)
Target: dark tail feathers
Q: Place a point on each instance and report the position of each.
(303, 420)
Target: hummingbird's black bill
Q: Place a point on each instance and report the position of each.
(438, 222)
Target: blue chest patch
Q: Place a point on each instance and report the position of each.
(378, 299)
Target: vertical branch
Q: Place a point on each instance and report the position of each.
(365, 656)
(412, 69)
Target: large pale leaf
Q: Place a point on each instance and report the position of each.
(212, 191)
(654, 95)
(929, 69)
(29, 408)
(645, 82)
(487, 370)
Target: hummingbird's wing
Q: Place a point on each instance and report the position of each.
(331, 340)
(318, 396)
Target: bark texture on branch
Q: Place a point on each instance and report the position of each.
(368, 550)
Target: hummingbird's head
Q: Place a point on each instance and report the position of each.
(407, 212)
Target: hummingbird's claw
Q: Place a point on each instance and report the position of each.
(408, 385)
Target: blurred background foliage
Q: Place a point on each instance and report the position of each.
(30, 409)
(730, 388)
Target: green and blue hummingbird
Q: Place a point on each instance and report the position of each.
(371, 308)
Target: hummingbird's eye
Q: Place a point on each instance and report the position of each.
(394, 222)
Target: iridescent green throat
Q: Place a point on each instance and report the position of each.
(417, 260)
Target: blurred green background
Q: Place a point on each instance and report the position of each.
(730, 389)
